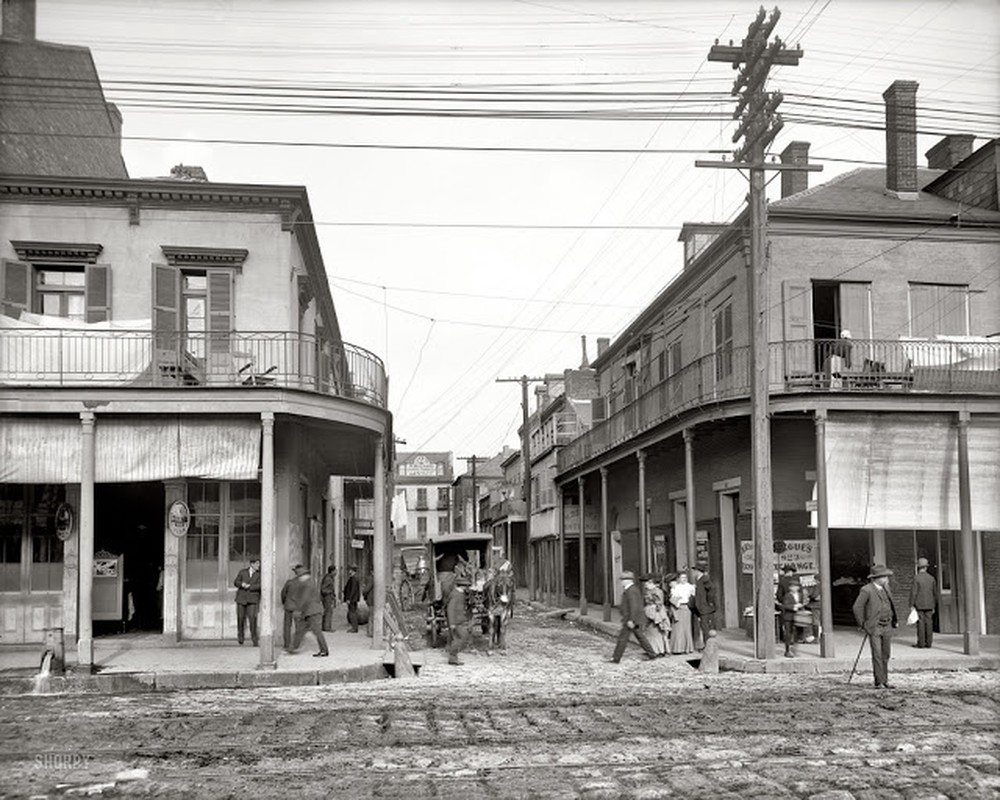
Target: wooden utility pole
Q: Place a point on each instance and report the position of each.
(475, 493)
(526, 467)
(759, 124)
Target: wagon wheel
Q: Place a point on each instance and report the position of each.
(406, 595)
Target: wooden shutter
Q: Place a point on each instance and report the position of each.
(166, 313)
(796, 297)
(220, 310)
(855, 309)
(598, 409)
(15, 288)
(98, 292)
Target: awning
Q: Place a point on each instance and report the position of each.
(901, 473)
(130, 449)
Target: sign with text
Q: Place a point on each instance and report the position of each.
(800, 553)
(571, 520)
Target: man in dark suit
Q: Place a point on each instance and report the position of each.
(704, 600)
(924, 597)
(328, 590)
(351, 596)
(633, 614)
(308, 611)
(247, 585)
(875, 614)
(457, 615)
(289, 602)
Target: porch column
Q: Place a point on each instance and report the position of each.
(826, 649)
(71, 567)
(336, 489)
(172, 492)
(969, 594)
(641, 513)
(85, 636)
(689, 509)
(267, 543)
(560, 549)
(606, 546)
(379, 545)
(583, 553)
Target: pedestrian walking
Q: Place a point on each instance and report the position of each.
(681, 634)
(875, 614)
(704, 600)
(328, 591)
(308, 612)
(289, 601)
(351, 596)
(924, 597)
(247, 585)
(457, 616)
(633, 616)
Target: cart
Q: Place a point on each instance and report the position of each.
(470, 553)
(413, 576)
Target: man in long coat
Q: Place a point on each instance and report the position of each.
(457, 615)
(875, 614)
(308, 612)
(351, 595)
(633, 614)
(704, 601)
(924, 597)
(247, 585)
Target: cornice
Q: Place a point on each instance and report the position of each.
(180, 256)
(59, 252)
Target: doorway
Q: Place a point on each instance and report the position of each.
(851, 557)
(129, 523)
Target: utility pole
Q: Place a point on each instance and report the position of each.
(475, 493)
(526, 468)
(759, 124)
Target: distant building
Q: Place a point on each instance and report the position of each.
(424, 479)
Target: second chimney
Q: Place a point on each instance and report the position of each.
(950, 151)
(603, 342)
(794, 181)
(18, 20)
(901, 139)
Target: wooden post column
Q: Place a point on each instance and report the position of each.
(583, 553)
(970, 603)
(379, 545)
(826, 649)
(267, 544)
(641, 514)
(689, 505)
(606, 547)
(173, 490)
(85, 635)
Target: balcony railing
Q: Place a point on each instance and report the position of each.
(836, 366)
(71, 357)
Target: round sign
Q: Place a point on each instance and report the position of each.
(178, 518)
(64, 521)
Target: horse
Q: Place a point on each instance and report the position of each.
(499, 597)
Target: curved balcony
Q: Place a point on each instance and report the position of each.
(940, 366)
(86, 356)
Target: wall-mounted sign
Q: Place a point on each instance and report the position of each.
(358, 544)
(105, 567)
(178, 518)
(64, 521)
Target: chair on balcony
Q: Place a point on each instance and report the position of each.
(249, 375)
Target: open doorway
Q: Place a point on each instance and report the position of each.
(129, 523)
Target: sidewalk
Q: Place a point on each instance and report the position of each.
(736, 649)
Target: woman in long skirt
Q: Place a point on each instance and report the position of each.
(681, 636)
(658, 628)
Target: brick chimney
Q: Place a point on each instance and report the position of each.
(901, 139)
(603, 342)
(585, 362)
(18, 19)
(793, 181)
(950, 151)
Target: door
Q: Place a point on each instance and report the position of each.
(224, 534)
(729, 507)
(939, 548)
(797, 329)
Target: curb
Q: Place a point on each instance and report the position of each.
(137, 682)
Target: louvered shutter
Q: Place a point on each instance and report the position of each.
(15, 283)
(166, 313)
(922, 316)
(98, 280)
(797, 327)
(220, 310)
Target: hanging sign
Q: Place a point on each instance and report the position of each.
(358, 544)
(179, 518)
(64, 521)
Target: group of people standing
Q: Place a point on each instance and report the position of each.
(671, 614)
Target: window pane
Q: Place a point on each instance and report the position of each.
(50, 305)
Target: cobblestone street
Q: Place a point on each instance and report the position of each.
(552, 719)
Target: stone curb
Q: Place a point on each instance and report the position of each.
(135, 682)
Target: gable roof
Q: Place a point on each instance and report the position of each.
(55, 120)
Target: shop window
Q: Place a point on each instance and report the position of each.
(202, 540)
(11, 528)
(244, 522)
(46, 547)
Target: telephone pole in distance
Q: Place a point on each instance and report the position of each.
(475, 493)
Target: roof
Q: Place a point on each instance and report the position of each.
(863, 192)
(56, 121)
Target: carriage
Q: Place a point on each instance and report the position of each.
(468, 553)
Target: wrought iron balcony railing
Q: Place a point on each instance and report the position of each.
(943, 366)
(75, 357)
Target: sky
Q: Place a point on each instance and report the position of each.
(492, 180)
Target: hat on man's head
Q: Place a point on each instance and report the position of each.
(627, 575)
(461, 579)
(880, 571)
(923, 562)
(298, 569)
(352, 568)
(701, 566)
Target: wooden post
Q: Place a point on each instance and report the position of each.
(267, 543)
(379, 546)
(85, 636)
(970, 603)
(583, 553)
(689, 505)
(606, 546)
(641, 513)
(826, 648)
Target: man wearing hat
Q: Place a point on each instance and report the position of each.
(352, 595)
(875, 614)
(247, 585)
(633, 614)
(924, 598)
(704, 600)
(309, 612)
(457, 614)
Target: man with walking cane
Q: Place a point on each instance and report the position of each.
(875, 614)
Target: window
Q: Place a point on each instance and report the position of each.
(46, 547)
(12, 513)
(422, 525)
(202, 540)
(56, 279)
(28, 519)
(939, 310)
(443, 524)
(194, 311)
(442, 497)
(722, 343)
(421, 498)
(244, 522)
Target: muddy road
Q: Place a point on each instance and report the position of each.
(551, 719)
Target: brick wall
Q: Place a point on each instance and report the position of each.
(899, 556)
(991, 580)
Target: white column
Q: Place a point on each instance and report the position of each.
(173, 491)
(267, 543)
(379, 544)
(85, 638)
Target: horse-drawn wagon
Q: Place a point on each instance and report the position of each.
(452, 555)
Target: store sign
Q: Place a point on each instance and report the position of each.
(64, 521)
(179, 518)
(799, 553)
(358, 544)
(421, 467)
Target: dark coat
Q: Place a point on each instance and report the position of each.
(872, 606)
(633, 606)
(924, 595)
(457, 611)
(352, 590)
(329, 584)
(289, 594)
(308, 600)
(788, 604)
(249, 596)
(704, 596)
